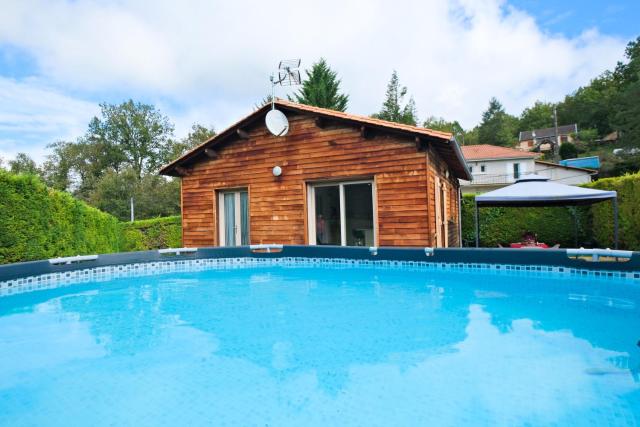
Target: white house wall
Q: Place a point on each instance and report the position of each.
(563, 175)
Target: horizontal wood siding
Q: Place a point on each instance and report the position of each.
(277, 206)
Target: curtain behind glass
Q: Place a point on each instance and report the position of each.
(244, 218)
(229, 219)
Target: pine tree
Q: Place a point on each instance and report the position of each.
(392, 109)
(321, 88)
(497, 127)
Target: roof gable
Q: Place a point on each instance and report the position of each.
(443, 142)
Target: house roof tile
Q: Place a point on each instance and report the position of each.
(486, 152)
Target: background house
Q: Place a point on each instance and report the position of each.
(493, 167)
(528, 140)
(340, 179)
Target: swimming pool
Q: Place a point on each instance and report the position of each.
(274, 341)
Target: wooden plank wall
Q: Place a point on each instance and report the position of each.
(277, 206)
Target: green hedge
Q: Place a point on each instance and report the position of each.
(153, 233)
(557, 225)
(38, 223)
(628, 188)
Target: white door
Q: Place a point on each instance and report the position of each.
(233, 218)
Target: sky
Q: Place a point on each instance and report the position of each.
(209, 61)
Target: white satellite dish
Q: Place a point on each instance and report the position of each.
(277, 122)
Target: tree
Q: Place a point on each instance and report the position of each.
(439, 123)
(195, 137)
(321, 88)
(132, 134)
(627, 118)
(538, 116)
(23, 164)
(153, 195)
(568, 151)
(497, 127)
(392, 108)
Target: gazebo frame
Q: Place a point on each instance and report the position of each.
(538, 191)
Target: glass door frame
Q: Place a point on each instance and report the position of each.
(237, 216)
(311, 208)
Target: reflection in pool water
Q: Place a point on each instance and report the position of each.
(322, 346)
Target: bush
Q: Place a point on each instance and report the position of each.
(628, 188)
(38, 223)
(153, 233)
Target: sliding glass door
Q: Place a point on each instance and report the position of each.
(341, 214)
(233, 218)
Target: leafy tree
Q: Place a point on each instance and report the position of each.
(321, 88)
(627, 115)
(195, 137)
(392, 108)
(439, 123)
(153, 195)
(132, 134)
(497, 127)
(23, 164)
(538, 116)
(591, 106)
(568, 151)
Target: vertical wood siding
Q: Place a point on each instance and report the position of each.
(277, 206)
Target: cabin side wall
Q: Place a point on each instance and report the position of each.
(403, 179)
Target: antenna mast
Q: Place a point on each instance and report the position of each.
(287, 75)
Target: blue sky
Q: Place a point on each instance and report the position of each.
(209, 61)
(571, 17)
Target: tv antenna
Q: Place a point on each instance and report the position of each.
(287, 75)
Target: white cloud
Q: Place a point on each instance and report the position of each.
(33, 115)
(211, 59)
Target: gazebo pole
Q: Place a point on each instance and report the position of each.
(615, 222)
(477, 226)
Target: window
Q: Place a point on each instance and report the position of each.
(482, 168)
(471, 169)
(233, 218)
(516, 170)
(341, 214)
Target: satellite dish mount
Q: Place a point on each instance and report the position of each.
(287, 75)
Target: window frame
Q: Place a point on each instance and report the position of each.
(311, 208)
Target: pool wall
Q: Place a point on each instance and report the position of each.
(13, 276)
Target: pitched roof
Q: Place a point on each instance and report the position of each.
(548, 132)
(487, 152)
(444, 143)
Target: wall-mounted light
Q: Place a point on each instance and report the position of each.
(277, 171)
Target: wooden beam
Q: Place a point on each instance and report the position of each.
(365, 132)
(320, 122)
(242, 134)
(182, 171)
(211, 153)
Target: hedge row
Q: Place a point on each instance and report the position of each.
(38, 223)
(569, 226)
(153, 233)
(628, 188)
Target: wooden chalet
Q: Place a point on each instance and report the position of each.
(344, 180)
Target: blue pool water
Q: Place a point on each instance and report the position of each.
(273, 346)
